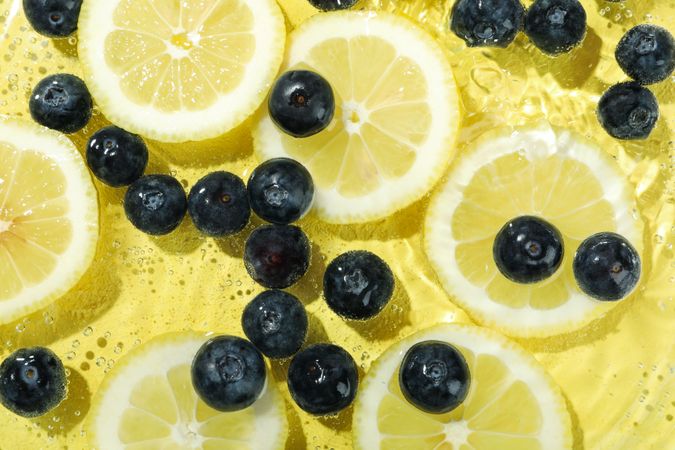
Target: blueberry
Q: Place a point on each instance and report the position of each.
(276, 323)
(528, 249)
(606, 266)
(155, 204)
(487, 23)
(434, 377)
(646, 53)
(276, 256)
(116, 157)
(301, 103)
(332, 5)
(628, 111)
(323, 379)
(53, 18)
(555, 26)
(358, 285)
(218, 204)
(281, 190)
(228, 373)
(32, 381)
(61, 102)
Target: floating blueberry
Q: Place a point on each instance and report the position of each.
(218, 204)
(332, 5)
(155, 204)
(646, 53)
(281, 190)
(628, 111)
(358, 285)
(323, 379)
(116, 157)
(555, 26)
(606, 266)
(301, 103)
(528, 249)
(53, 18)
(61, 102)
(434, 377)
(487, 23)
(276, 256)
(32, 381)
(228, 373)
(276, 323)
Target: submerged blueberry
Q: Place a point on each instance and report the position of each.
(528, 249)
(332, 5)
(301, 103)
(646, 53)
(628, 111)
(61, 102)
(555, 26)
(281, 190)
(276, 256)
(155, 204)
(32, 381)
(323, 379)
(228, 373)
(275, 322)
(487, 23)
(434, 376)
(116, 157)
(218, 204)
(358, 285)
(606, 266)
(53, 18)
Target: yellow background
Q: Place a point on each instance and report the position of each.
(618, 374)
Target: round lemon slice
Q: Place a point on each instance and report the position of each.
(147, 402)
(513, 404)
(540, 171)
(180, 70)
(396, 118)
(48, 217)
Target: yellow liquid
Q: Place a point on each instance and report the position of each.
(618, 374)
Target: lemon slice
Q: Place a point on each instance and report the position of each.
(512, 404)
(180, 70)
(48, 217)
(540, 171)
(396, 118)
(147, 402)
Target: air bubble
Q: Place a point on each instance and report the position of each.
(88, 331)
(70, 355)
(100, 361)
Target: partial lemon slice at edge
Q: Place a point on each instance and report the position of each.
(148, 401)
(48, 217)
